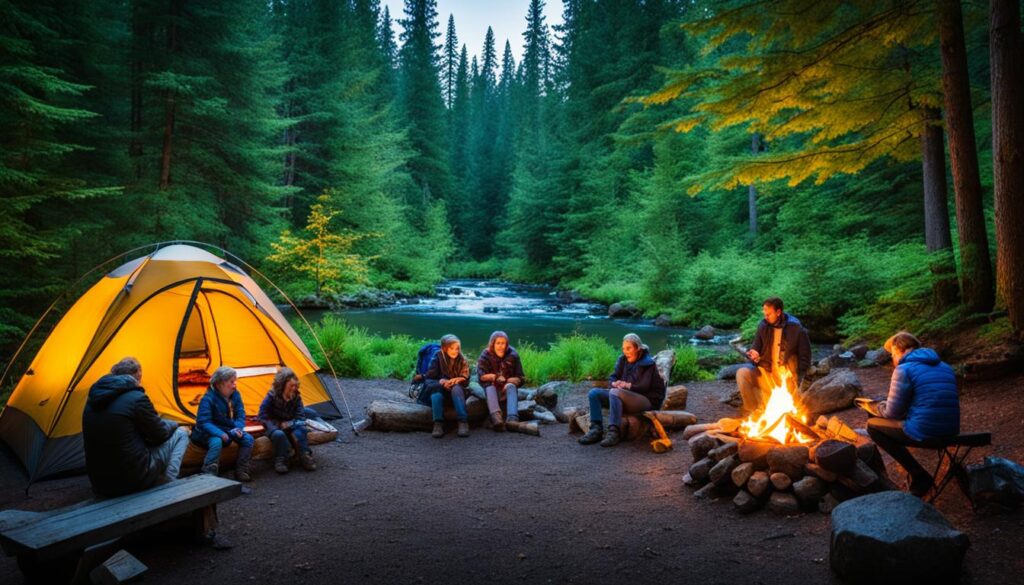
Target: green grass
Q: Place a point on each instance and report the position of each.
(356, 353)
(574, 358)
(688, 368)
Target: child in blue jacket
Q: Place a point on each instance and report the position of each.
(221, 421)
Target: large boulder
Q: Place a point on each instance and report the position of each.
(859, 351)
(665, 360)
(835, 391)
(706, 333)
(729, 372)
(893, 537)
(623, 309)
(997, 485)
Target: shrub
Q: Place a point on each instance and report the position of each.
(355, 353)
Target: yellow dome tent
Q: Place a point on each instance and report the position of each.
(182, 312)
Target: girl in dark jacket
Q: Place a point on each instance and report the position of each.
(447, 376)
(635, 386)
(501, 373)
(283, 414)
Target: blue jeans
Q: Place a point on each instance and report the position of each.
(511, 400)
(214, 445)
(617, 400)
(281, 443)
(458, 398)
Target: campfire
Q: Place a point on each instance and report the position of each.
(776, 457)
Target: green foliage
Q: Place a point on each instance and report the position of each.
(355, 353)
(573, 358)
(688, 368)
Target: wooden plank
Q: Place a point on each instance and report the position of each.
(106, 519)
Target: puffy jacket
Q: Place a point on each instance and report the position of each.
(275, 409)
(218, 415)
(507, 367)
(796, 345)
(119, 426)
(644, 377)
(444, 368)
(923, 393)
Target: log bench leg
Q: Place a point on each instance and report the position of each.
(205, 523)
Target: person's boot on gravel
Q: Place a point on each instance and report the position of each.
(307, 461)
(463, 429)
(438, 431)
(211, 469)
(612, 437)
(595, 434)
(512, 424)
(497, 422)
(280, 465)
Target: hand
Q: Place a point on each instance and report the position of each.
(753, 355)
(500, 382)
(237, 433)
(286, 424)
(225, 438)
(446, 383)
(626, 385)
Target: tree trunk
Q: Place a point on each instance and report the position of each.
(141, 32)
(169, 100)
(945, 288)
(755, 146)
(976, 265)
(1005, 50)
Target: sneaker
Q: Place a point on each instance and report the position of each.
(497, 423)
(612, 437)
(211, 469)
(307, 461)
(595, 434)
(438, 431)
(463, 429)
(280, 465)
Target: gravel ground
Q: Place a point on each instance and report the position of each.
(503, 508)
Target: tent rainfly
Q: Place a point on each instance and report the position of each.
(182, 312)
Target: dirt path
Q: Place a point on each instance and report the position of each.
(502, 508)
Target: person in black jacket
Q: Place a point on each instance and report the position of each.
(284, 419)
(635, 386)
(128, 447)
(500, 372)
(447, 376)
(781, 350)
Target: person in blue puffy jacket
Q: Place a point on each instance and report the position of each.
(922, 404)
(220, 421)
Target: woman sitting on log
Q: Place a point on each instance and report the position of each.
(501, 373)
(284, 418)
(220, 421)
(635, 386)
(447, 375)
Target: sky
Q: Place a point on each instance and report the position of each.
(472, 17)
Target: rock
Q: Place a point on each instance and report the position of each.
(996, 485)
(745, 502)
(547, 395)
(809, 491)
(758, 484)
(726, 450)
(623, 309)
(827, 503)
(707, 492)
(729, 372)
(665, 360)
(788, 460)
(489, 309)
(893, 537)
(688, 480)
(879, 356)
(721, 473)
(663, 320)
(706, 333)
(783, 504)
(835, 456)
(675, 398)
(742, 474)
(841, 359)
(835, 391)
(694, 430)
(701, 445)
(569, 297)
(755, 452)
(861, 480)
(867, 364)
(821, 473)
(859, 351)
(780, 481)
(701, 470)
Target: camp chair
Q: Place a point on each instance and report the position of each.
(952, 451)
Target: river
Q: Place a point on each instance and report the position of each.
(472, 309)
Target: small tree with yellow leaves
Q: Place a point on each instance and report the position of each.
(321, 252)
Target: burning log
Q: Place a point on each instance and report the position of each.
(693, 430)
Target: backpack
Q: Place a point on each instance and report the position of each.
(418, 386)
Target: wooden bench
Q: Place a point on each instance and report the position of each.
(952, 451)
(44, 541)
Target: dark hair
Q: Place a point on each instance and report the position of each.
(775, 302)
(902, 340)
(128, 366)
(281, 378)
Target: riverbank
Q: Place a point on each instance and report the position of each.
(509, 508)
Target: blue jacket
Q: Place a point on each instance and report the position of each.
(923, 393)
(217, 416)
(644, 377)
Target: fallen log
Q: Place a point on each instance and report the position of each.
(388, 415)
(675, 398)
(694, 430)
(673, 420)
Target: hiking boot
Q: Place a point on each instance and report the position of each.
(919, 486)
(280, 465)
(497, 423)
(307, 461)
(463, 429)
(438, 431)
(242, 472)
(211, 469)
(512, 425)
(595, 434)
(612, 437)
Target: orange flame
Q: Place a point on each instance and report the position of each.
(772, 423)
